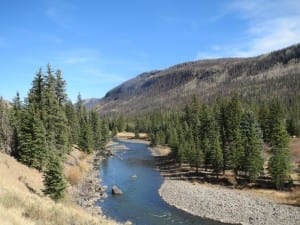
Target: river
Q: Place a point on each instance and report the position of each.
(132, 168)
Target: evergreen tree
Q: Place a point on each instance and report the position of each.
(95, 124)
(5, 127)
(265, 122)
(55, 121)
(216, 151)
(105, 135)
(221, 117)
(55, 184)
(73, 122)
(36, 95)
(15, 121)
(280, 161)
(252, 160)
(32, 147)
(60, 88)
(236, 152)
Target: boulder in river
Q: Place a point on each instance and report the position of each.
(116, 191)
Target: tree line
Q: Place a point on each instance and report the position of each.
(41, 130)
(226, 135)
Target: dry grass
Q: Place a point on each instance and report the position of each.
(285, 197)
(131, 135)
(73, 175)
(76, 166)
(19, 208)
(22, 201)
(160, 150)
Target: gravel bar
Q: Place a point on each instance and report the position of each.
(227, 205)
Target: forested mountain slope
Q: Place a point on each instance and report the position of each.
(275, 74)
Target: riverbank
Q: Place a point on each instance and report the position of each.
(160, 150)
(227, 205)
(89, 190)
(86, 187)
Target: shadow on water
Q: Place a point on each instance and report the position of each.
(133, 169)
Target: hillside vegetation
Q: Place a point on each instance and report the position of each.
(22, 201)
(270, 75)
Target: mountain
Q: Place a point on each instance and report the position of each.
(274, 74)
(90, 102)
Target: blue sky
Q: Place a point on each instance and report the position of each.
(99, 44)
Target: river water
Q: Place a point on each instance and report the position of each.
(132, 168)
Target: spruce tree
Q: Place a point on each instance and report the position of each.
(252, 160)
(216, 151)
(60, 88)
(32, 149)
(265, 122)
(36, 95)
(105, 135)
(280, 161)
(6, 130)
(73, 122)
(55, 184)
(55, 121)
(86, 141)
(95, 124)
(15, 121)
(203, 135)
(236, 151)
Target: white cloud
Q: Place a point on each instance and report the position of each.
(271, 25)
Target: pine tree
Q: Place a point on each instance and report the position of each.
(32, 144)
(86, 141)
(252, 160)
(85, 138)
(221, 117)
(73, 123)
(60, 88)
(265, 122)
(15, 121)
(216, 151)
(95, 124)
(105, 135)
(280, 161)
(6, 130)
(55, 120)
(55, 184)
(36, 94)
(236, 152)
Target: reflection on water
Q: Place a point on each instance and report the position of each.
(140, 202)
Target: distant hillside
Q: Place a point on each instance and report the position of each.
(90, 102)
(273, 74)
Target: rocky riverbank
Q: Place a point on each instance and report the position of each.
(89, 190)
(227, 205)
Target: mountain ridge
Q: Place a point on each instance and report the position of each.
(273, 73)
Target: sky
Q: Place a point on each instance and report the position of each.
(98, 44)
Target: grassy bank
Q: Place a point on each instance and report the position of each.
(23, 203)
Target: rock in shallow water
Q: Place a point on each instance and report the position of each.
(116, 191)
